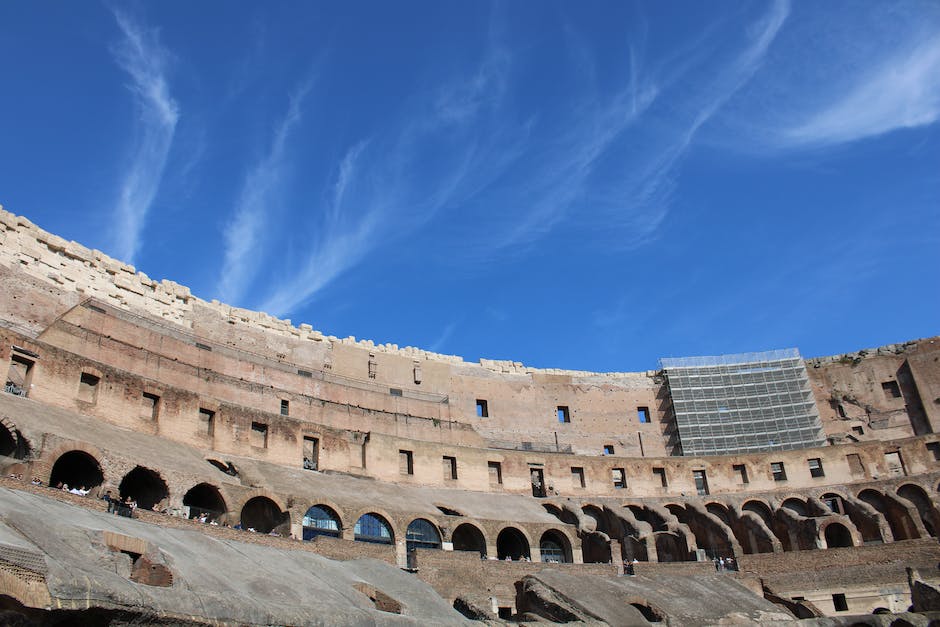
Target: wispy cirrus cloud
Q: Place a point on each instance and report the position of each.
(141, 55)
(259, 192)
(903, 92)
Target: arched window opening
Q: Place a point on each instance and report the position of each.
(422, 534)
(373, 528)
(264, 516)
(554, 548)
(320, 520)
(595, 549)
(205, 499)
(838, 535)
(797, 506)
(144, 486)
(671, 548)
(902, 527)
(77, 469)
(926, 510)
(466, 537)
(511, 544)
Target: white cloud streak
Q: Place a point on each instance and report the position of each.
(141, 55)
(244, 234)
(904, 92)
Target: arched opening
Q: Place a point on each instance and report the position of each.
(205, 499)
(902, 527)
(838, 535)
(263, 515)
(709, 534)
(594, 549)
(466, 537)
(651, 615)
(563, 515)
(144, 486)
(320, 520)
(76, 469)
(555, 548)
(373, 528)
(925, 508)
(511, 544)
(12, 442)
(671, 548)
(632, 548)
(797, 506)
(599, 518)
(422, 534)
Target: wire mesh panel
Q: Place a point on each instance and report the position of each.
(742, 403)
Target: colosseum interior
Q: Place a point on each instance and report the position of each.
(262, 473)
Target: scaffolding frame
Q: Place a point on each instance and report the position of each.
(742, 403)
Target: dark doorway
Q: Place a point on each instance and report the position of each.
(511, 543)
(145, 486)
(205, 499)
(466, 537)
(77, 469)
(263, 515)
(838, 535)
(538, 481)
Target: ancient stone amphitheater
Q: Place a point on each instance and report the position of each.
(285, 477)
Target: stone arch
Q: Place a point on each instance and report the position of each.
(564, 515)
(797, 506)
(145, 486)
(374, 528)
(865, 518)
(651, 613)
(321, 520)
(597, 514)
(12, 442)
(205, 498)
(898, 518)
(925, 507)
(671, 547)
(555, 547)
(512, 543)
(422, 533)
(713, 536)
(264, 516)
(765, 513)
(752, 531)
(719, 510)
(836, 535)
(76, 468)
(469, 537)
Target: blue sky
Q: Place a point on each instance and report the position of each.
(587, 185)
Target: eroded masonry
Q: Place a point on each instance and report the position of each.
(789, 488)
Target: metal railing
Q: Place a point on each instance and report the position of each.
(12, 388)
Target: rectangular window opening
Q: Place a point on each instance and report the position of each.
(891, 389)
(934, 449)
(857, 429)
(88, 387)
(839, 602)
(619, 477)
(895, 464)
(285, 407)
(661, 473)
(395, 391)
(741, 471)
(406, 462)
(608, 449)
(778, 471)
(701, 482)
(816, 467)
(150, 406)
(563, 414)
(577, 476)
(207, 421)
(259, 435)
(643, 414)
(19, 375)
(311, 453)
(418, 376)
(450, 468)
(496, 472)
(373, 366)
(483, 410)
(855, 464)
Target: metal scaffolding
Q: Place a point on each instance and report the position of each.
(742, 403)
